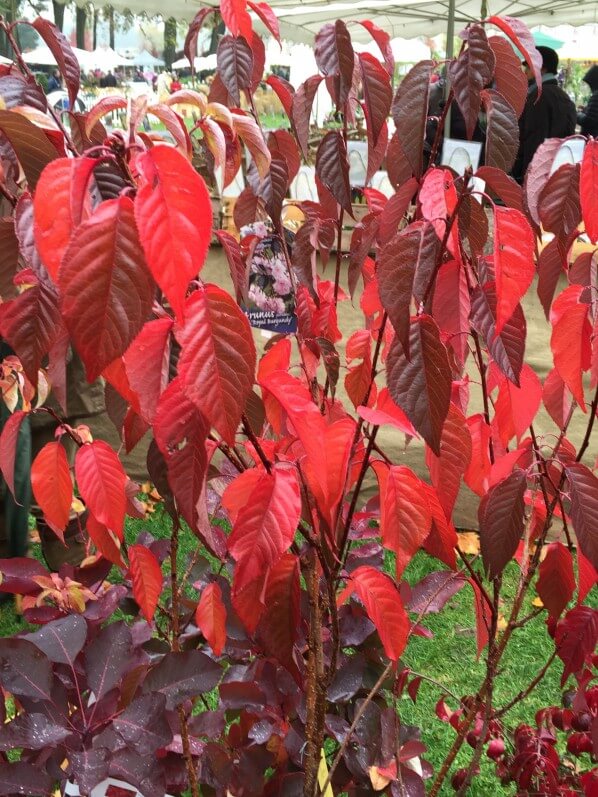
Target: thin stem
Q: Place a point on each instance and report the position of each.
(586, 440)
(528, 690)
(256, 444)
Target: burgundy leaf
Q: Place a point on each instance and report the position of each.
(538, 173)
(501, 516)
(181, 676)
(551, 265)
(278, 628)
(395, 210)
(377, 151)
(430, 595)
(508, 348)
(16, 90)
(513, 261)
(235, 66)
(411, 252)
(410, 112)
(30, 144)
(236, 263)
(470, 73)
(62, 51)
(195, 26)
(107, 658)
(91, 767)
(152, 345)
(382, 39)
(22, 777)
(558, 201)
(282, 142)
(18, 574)
(276, 184)
(589, 198)
(61, 640)
(557, 398)
(502, 138)
(24, 670)
(332, 167)
(377, 93)
(583, 490)
(576, 637)
(143, 724)
(520, 35)
(421, 385)
(446, 471)
(9, 439)
(556, 582)
(33, 731)
(285, 93)
(505, 187)
(9, 259)
(509, 78)
(399, 168)
(451, 306)
(335, 58)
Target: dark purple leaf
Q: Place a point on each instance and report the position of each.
(538, 173)
(377, 93)
(501, 516)
(143, 725)
(180, 676)
(235, 66)
(9, 259)
(21, 777)
(142, 772)
(348, 680)
(62, 51)
(505, 187)
(332, 167)
(558, 201)
(18, 574)
(196, 25)
(236, 262)
(90, 768)
(334, 56)
(576, 637)
(421, 385)
(242, 694)
(470, 73)
(509, 78)
(61, 640)
(432, 593)
(413, 251)
(410, 112)
(108, 658)
(33, 732)
(502, 138)
(395, 210)
(24, 670)
(16, 90)
(276, 184)
(507, 349)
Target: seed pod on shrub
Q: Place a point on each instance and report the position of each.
(496, 749)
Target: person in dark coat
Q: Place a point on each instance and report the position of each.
(553, 115)
(588, 118)
(54, 82)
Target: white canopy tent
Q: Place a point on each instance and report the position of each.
(42, 56)
(106, 58)
(201, 63)
(145, 58)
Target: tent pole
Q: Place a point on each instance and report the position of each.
(450, 51)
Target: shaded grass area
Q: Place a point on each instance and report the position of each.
(449, 658)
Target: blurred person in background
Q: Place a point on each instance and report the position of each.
(588, 117)
(552, 115)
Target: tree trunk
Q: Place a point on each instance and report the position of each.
(170, 41)
(111, 27)
(81, 21)
(58, 14)
(95, 28)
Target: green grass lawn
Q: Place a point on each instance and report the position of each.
(449, 658)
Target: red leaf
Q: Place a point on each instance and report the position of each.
(557, 398)
(385, 609)
(410, 113)
(280, 624)
(335, 58)
(405, 519)
(507, 349)
(102, 481)
(284, 91)
(235, 66)
(332, 167)
(516, 407)
(583, 490)
(60, 203)
(265, 527)
(587, 576)
(556, 582)
(268, 17)
(235, 16)
(513, 261)
(538, 172)
(301, 106)
(258, 52)
(505, 187)
(442, 540)
(576, 637)
(30, 144)
(451, 306)
(31, 324)
(218, 358)
(382, 39)
(502, 137)
(357, 384)
(106, 290)
(588, 195)
(8, 448)
(501, 515)
(283, 143)
(210, 617)
(477, 474)
(438, 199)
(52, 485)
(146, 575)
(483, 616)
(421, 385)
(62, 51)
(107, 544)
(248, 130)
(174, 124)
(174, 216)
(447, 470)
(9, 258)
(147, 363)
(196, 25)
(509, 78)
(570, 340)
(470, 73)
(387, 412)
(558, 202)
(377, 93)
(551, 265)
(518, 32)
